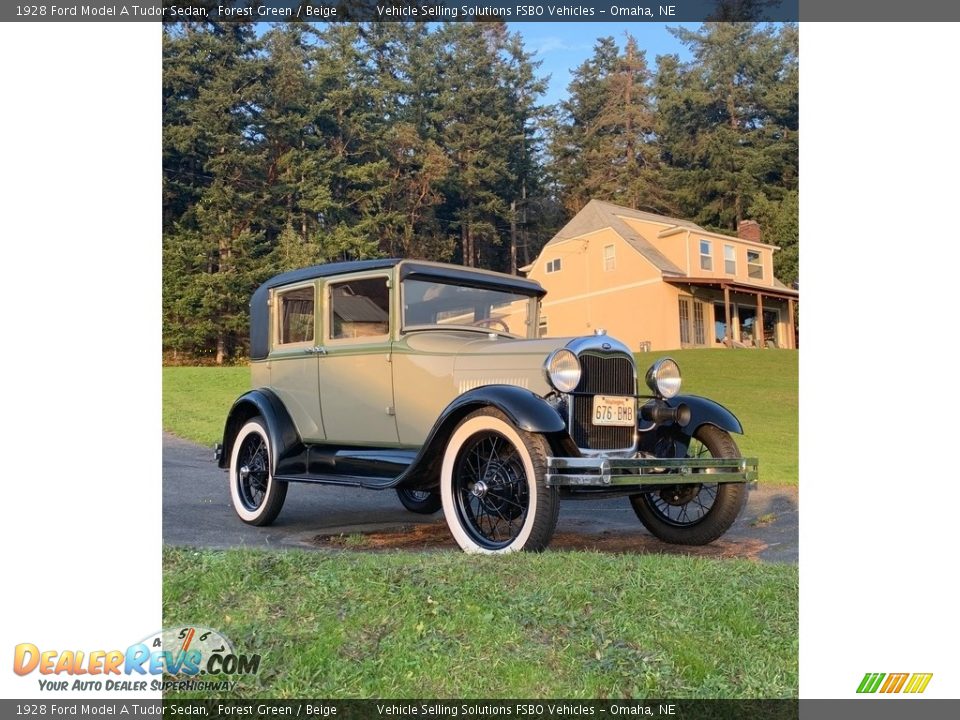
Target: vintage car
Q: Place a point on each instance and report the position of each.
(430, 380)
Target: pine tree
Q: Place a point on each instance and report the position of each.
(213, 242)
(575, 139)
(728, 121)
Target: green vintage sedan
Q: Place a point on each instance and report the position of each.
(430, 380)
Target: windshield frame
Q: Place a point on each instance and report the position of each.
(533, 308)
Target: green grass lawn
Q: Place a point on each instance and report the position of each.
(560, 624)
(196, 400)
(759, 387)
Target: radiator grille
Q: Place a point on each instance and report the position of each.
(607, 376)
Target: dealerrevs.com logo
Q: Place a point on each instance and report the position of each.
(910, 683)
(172, 659)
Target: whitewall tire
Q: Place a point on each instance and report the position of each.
(257, 498)
(492, 484)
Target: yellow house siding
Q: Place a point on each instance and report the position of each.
(582, 266)
(639, 315)
(629, 301)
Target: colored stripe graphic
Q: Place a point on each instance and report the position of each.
(918, 682)
(894, 682)
(870, 682)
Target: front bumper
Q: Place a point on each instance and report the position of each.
(609, 472)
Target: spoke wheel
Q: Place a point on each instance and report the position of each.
(492, 484)
(254, 471)
(257, 497)
(694, 514)
(491, 490)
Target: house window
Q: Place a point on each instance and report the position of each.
(295, 323)
(706, 259)
(609, 257)
(359, 309)
(699, 336)
(693, 329)
(729, 259)
(553, 265)
(754, 265)
(684, 321)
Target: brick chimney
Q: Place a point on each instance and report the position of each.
(749, 230)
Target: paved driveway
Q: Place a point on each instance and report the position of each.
(197, 513)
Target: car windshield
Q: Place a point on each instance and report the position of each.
(429, 303)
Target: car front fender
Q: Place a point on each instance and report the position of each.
(705, 412)
(525, 409)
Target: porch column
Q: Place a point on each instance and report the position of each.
(728, 340)
(758, 323)
(791, 326)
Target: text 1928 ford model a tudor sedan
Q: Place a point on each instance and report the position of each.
(430, 380)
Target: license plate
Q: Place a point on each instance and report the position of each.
(614, 410)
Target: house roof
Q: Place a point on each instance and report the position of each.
(597, 214)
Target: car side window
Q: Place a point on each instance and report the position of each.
(295, 315)
(359, 309)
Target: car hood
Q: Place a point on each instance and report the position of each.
(491, 359)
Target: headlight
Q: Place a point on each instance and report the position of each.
(663, 377)
(563, 370)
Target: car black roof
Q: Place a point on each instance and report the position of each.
(413, 269)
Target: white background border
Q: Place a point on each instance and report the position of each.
(80, 300)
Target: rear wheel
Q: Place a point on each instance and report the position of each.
(493, 486)
(422, 502)
(257, 497)
(695, 514)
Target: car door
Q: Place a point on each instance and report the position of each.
(292, 360)
(356, 383)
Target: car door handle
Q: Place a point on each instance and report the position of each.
(317, 349)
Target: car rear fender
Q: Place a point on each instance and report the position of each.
(284, 438)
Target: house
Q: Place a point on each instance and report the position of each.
(659, 283)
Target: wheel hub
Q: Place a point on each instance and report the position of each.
(679, 495)
(497, 474)
(479, 489)
(244, 472)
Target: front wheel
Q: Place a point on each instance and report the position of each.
(257, 497)
(422, 502)
(493, 486)
(695, 514)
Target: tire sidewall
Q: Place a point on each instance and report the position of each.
(468, 428)
(250, 516)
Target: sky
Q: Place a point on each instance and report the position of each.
(562, 46)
